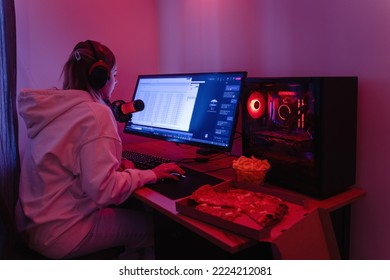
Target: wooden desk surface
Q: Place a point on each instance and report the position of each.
(220, 166)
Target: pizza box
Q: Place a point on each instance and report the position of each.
(242, 225)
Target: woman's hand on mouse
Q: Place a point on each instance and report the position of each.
(165, 170)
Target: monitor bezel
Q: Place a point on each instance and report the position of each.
(207, 148)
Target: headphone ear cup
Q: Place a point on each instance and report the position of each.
(98, 75)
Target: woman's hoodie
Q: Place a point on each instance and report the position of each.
(70, 168)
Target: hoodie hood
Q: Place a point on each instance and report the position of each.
(40, 107)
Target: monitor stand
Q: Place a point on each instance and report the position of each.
(206, 152)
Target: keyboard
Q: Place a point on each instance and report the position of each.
(169, 188)
(144, 161)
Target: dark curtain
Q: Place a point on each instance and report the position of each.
(9, 151)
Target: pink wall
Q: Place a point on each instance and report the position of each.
(266, 38)
(208, 35)
(48, 30)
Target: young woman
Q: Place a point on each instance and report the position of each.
(72, 173)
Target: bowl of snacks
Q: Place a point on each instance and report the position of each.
(249, 173)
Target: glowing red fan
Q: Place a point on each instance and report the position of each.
(256, 105)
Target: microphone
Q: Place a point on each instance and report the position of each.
(123, 110)
(132, 107)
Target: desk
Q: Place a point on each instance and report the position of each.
(306, 236)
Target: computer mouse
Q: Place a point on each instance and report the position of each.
(178, 175)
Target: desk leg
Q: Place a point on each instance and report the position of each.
(341, 219)
(311, 239)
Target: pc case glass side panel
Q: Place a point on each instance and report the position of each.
(279, 124)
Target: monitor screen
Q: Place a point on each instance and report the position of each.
(198, 109)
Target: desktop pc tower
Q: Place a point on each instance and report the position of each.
(306, 128)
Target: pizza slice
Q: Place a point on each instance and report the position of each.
(266, 212)
(235, 197)
(206, 194)
(226, 213)
(263, 208)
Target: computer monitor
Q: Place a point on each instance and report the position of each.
(199, 109)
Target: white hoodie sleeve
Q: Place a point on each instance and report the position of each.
(99, 158)
(99, 176)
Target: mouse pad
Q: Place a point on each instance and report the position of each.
(175, 190)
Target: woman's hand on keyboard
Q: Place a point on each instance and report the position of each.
(125, 164)
(165, 170)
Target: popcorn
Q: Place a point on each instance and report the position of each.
(250, 171)
(251, 164)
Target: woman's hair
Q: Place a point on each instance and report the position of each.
(88, 67)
